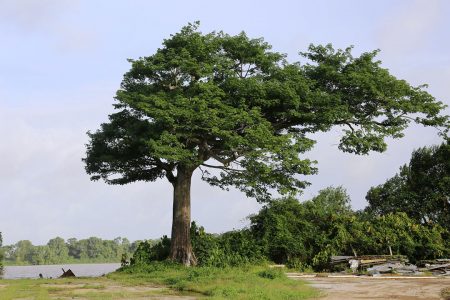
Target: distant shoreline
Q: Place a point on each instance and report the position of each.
(81, 262)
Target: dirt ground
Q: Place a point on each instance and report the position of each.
(379, 288)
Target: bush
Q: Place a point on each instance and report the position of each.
(305, 235)
(233, 248)
(148, 251)
(272, 273)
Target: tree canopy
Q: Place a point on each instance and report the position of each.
(231, 104)
(231, 100)
(421, 188)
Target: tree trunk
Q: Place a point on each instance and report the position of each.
(181, 248)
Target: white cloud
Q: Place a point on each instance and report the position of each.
(31, 15)
(52, 19)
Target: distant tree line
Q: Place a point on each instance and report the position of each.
(57, 251)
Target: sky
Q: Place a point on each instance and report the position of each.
(62, 61)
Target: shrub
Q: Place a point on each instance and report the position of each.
(272, 273)
(233, 248)
(148, 251)
(305, 235)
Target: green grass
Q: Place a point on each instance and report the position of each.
(85, 288)
(251, 282)
(163, 279)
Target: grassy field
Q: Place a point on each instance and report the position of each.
(168, 281)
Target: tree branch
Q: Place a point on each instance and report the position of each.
(168, 168)
(221, 168)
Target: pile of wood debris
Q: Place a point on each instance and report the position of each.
(437, 266)
(376, 265)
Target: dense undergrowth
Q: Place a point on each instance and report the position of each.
(304, 235)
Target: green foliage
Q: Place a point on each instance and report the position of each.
(58, 251)
(204, 245)
(245, 282)
(142, 253)
(230, 100)
(304, 235)
(149, 251)
(234, 248)
(230, 104)
(272, 273)
(281, 231)
(421, 189)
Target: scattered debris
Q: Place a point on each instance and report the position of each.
(376, 264)
(277, 266)
(67, 273)
(398, 268)
(354, 264)
(437, 266)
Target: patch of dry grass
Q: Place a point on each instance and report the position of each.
(445, 293)
(78, 288)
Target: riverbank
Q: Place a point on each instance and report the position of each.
(68, 262)
(54, 271)
(170, 282)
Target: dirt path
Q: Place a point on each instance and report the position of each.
(378, 288)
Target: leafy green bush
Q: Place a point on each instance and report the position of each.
(148, 251)
(233, 248)
(305, 235)
(272, 273)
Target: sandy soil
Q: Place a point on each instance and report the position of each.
(379, 288)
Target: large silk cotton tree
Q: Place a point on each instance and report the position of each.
(229, 104)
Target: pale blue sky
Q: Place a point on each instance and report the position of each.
(62, 61)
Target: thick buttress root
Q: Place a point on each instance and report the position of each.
(184, 257)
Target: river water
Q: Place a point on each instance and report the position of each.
(54, 271)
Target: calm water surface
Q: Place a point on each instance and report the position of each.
(53, 271)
